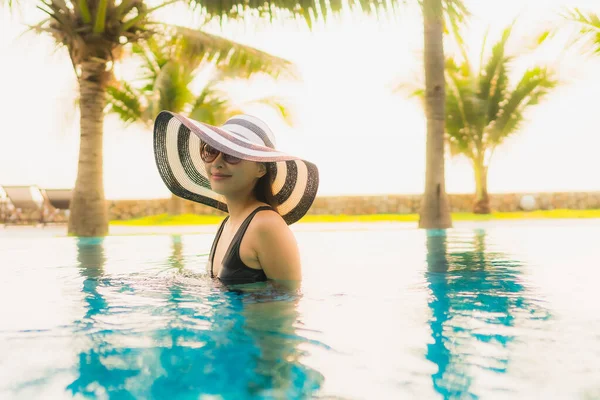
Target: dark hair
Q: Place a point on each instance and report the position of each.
(263, 189)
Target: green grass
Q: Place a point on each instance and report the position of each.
(193, 219)
(167, 220)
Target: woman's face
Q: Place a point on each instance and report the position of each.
(229, 175)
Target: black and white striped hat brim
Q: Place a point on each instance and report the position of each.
(177, 152)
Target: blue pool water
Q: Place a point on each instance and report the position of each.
(386, 311)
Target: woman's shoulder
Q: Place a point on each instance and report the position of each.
(275, 246)
(268, 219)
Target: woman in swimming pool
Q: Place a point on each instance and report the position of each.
(236, 168)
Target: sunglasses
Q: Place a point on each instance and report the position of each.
(209, 154)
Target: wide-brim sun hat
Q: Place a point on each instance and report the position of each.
(177, 142)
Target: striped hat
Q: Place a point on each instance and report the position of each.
(177, 142)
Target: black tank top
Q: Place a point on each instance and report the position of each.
(234, 271)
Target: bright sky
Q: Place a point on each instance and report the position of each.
(364, 138)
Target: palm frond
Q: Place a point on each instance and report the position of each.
(152, 60)
(533, 86)
(125, 8)
(123, 100)
(456, 15)
(84, 10)
(196, 46)
(143, 14)
(462, 108)
(172, 88)
(493, 79)
(280, 104)
(410, 87)
(589, 27)
(10, 4)
(456, 134)
(100, 19)
(171, 62)
(456, 10)
(589, 21)
(213, 111)
(212, 106)
(542, 37)
(418, 93)
(311, 10)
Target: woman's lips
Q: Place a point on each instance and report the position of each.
(220, 177)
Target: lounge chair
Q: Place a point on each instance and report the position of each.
(25, 204)
(59, 198)
(4, 203)
(59, 201)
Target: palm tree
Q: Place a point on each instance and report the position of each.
(169, 66)
(95, 33)
(482, 110)
(435, 212)
(439, 16)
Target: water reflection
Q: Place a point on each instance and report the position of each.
(477, 298)
(198, 335)
(95, 376)
(211, 340)
(176, 258)
(272, 324)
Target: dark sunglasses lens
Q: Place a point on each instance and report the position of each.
(208, 153)
(231, 159)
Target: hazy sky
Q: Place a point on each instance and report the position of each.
(363, 137)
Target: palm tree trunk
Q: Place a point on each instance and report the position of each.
(435, 211)
(175, 205)
(482, 200)
(89, 214)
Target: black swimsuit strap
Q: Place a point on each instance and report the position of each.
(214, 245)
(236, 238)
(244, 226)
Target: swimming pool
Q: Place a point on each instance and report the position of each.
(386, 311)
